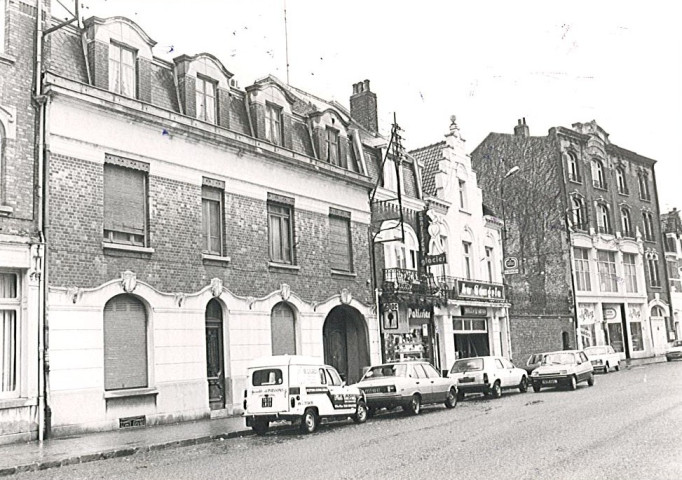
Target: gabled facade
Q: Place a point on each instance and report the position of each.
(198, 226)
(21, 242)
(671, 228)
(463, 252)
(580, 218)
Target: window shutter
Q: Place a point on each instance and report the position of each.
(124, 200)
(339, 238)
(125, 344)
(282, 330)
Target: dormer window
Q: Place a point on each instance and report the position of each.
(332, 146)
(122, 70)
(273, 123)
(205, 95)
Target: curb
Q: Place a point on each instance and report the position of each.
(119, 452)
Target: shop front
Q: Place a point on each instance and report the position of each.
(471, 332)
(620, 325)
(409, 333)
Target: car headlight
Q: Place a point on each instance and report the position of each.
(391, 389)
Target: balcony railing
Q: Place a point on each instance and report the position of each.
(402, 280)
(463, 289)
(604, 229)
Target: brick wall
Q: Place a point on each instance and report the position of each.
(77, 258)
(538, 334)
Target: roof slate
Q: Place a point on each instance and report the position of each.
(430, 156)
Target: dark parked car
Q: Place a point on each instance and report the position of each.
(533, 362)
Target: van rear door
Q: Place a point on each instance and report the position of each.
(268, 390)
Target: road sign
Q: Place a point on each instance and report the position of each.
(511, 266)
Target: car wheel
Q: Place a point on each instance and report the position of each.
(574, 383)
(523, 386)
(617, 367)
(606, 368)
(451, 399)
(460, 395)
(260, 427)
(309, 421)
(536, 388)
(497, 390)
(590, 380)
(361, 413)
(415, 405)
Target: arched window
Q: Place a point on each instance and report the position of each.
(657, 311)
(598, 174)
(626, 222)
(644, 187)
(399, 254)
(125, 343)
(622, 182)
(573, 169)
(282, 330)
(648, 226)
(579, 213)
(603, 220)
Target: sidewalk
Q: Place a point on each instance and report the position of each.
(57, 452)
(633, 362)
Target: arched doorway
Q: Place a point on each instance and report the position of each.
(215, 355)
(345, 342)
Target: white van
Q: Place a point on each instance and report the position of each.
(297, 389)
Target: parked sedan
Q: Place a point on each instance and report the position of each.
(603, 357)
(488, 375)
(408, 385)
(674, 351)
(567, 368)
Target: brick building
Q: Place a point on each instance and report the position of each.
(21, 249)
(194, 225)
(581, 221)
(671, 226)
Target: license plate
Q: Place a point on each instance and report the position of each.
(266, 402)
(466, 379)
(549, 381)
(373, 390)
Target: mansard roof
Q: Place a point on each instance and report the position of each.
(430, 155)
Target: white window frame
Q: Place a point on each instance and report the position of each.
(14, 304)
(467, 263)
(598, 175)
(621, 181)
(603, 218)
(626, 222)
(119, 59)
(462, 188)
(573, 170)
(582, 269)
(201, 95)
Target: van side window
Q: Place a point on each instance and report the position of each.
(323, 377)
(270, 376)
(335, 378)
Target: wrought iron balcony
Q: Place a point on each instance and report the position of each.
(464, 289)
(403, 280)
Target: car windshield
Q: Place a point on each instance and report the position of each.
(596, 350)
(386, 371)
(467, 365)
(559, 359)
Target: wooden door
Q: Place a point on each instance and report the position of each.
(336, 348)
(215, 357)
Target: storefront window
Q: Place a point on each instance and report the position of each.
(471, 337)
(636, 333)
(587, 335)
(414, 340)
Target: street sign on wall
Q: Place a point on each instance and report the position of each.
(511, 265)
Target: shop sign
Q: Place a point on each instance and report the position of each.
(432, 241)
(610, 313)
(474, 311)
(420, 313)
(480, 290)
(511, 266)
(390, 316)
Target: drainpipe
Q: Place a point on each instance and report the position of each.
(40, 100)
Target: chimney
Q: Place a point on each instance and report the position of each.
(363, 106)
(521, 130)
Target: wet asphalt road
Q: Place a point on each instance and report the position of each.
(628, 426)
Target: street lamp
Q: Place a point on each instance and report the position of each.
(511, 172)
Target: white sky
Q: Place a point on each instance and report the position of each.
(488, 62)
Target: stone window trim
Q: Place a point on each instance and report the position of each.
(131, 392)
(339, 213)
(284, 200)
(212, 182)
(126, 248)
(126, 162)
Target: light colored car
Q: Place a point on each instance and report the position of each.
(408, 384)
(674, 351)
(603, 357)
(488, 375)
(563, 368)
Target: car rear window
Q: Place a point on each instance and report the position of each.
(386, 371)
(270, 376)
(467, 365)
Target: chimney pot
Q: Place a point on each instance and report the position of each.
(366, 85)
